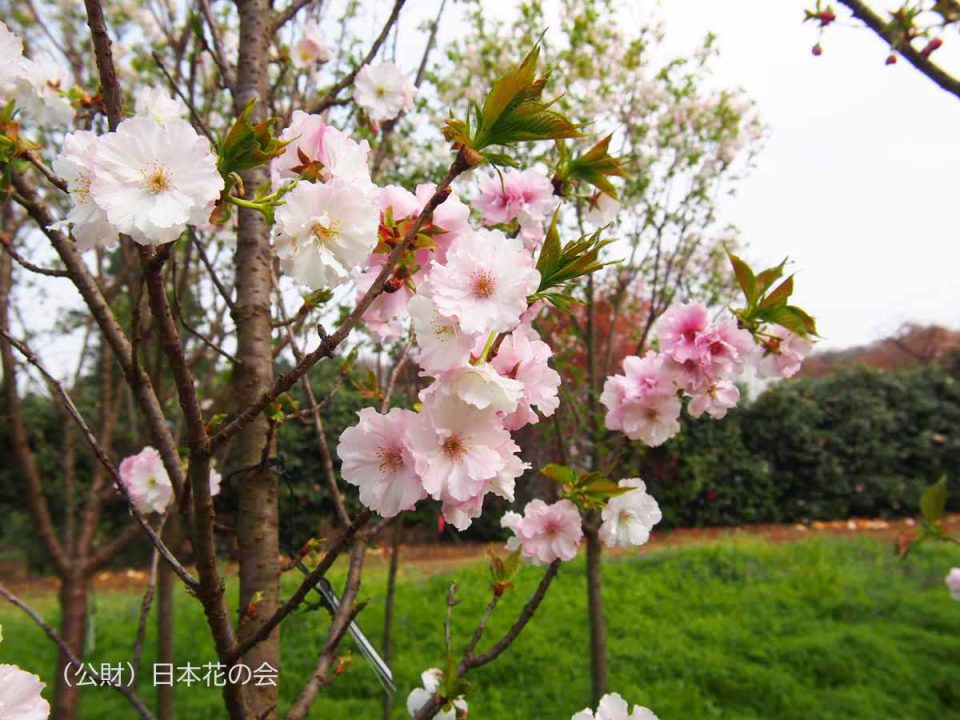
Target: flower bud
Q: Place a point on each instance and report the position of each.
(891, 59)
(817, 50)
(931, 46)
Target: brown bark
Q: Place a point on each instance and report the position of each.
(74, 588)
(166, 586)
(598, 622)
(258, 522)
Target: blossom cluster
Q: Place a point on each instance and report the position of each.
(35, 84)
(457, 708)
(696, 359)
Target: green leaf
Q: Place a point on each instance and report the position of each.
(561, 474)
(792, 318)
(779, 296)
(247, 145)
(769, 276)
(933, 501)
(596, 166)
(745, 278)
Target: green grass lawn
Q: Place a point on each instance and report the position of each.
(824, 628)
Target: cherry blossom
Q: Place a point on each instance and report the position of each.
(485, 281)
(458, 449)
(377, 459)
(679, 329)
(37, 85)
(643, 402)
(320, 152)
(382, 91)
(785, 354)
(324, 231)
(715, 400)
(614, 707)
(146, 481)
(546, 532)
(523, 356)
(156, 104)
(522, 195)
(20, 695)
(602, 209)
(442, 343)
(152, 180)
(953, 583)
(75, 165)
(13, 65)
(629, 517)
(310, 49)
(419, 697)
(481, 386)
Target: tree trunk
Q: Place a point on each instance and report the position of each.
(257, 524)
(388, 609)
(73, 627)
(166, 587)
(598, 623)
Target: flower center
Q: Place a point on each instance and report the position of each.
(325, 232)
(483, 285)
(156, 180)
(551, 527)
(454, 448)
(652, 414)
(391, 459)
(151, 482)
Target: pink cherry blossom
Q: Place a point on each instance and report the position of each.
(313, 141)
(20, 697)
(458, 449)
(146, 481)
(715, 400)
(442, 344)
(786, 359)
(450, 220)
(629, 517)
(523, 356)
(485, 281)
(481, 386)
(522, 195)
(643, 402)
(678, 330)
(546, 532)
(377, 459)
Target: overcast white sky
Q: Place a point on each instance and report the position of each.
(858, 179)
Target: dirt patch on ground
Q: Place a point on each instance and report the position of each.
(438, 558)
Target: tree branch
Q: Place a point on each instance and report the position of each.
(916, 58)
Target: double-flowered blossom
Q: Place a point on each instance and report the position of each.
(148, 484)
(442, 343)
(20, 697)
(614, 707)
(523, 357)
(310, 49)
(34, 84)
(785, 354)
(953, 583)
(155, 103)
(324, 231)
(485, 281)
(377, 459)
(545, 533)
(524, 196)
(76, 165)
(152, 180)
(643, 402)
(629, 517)
(383, 91)
(317, 151)
(461, 452)
(457, 709)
